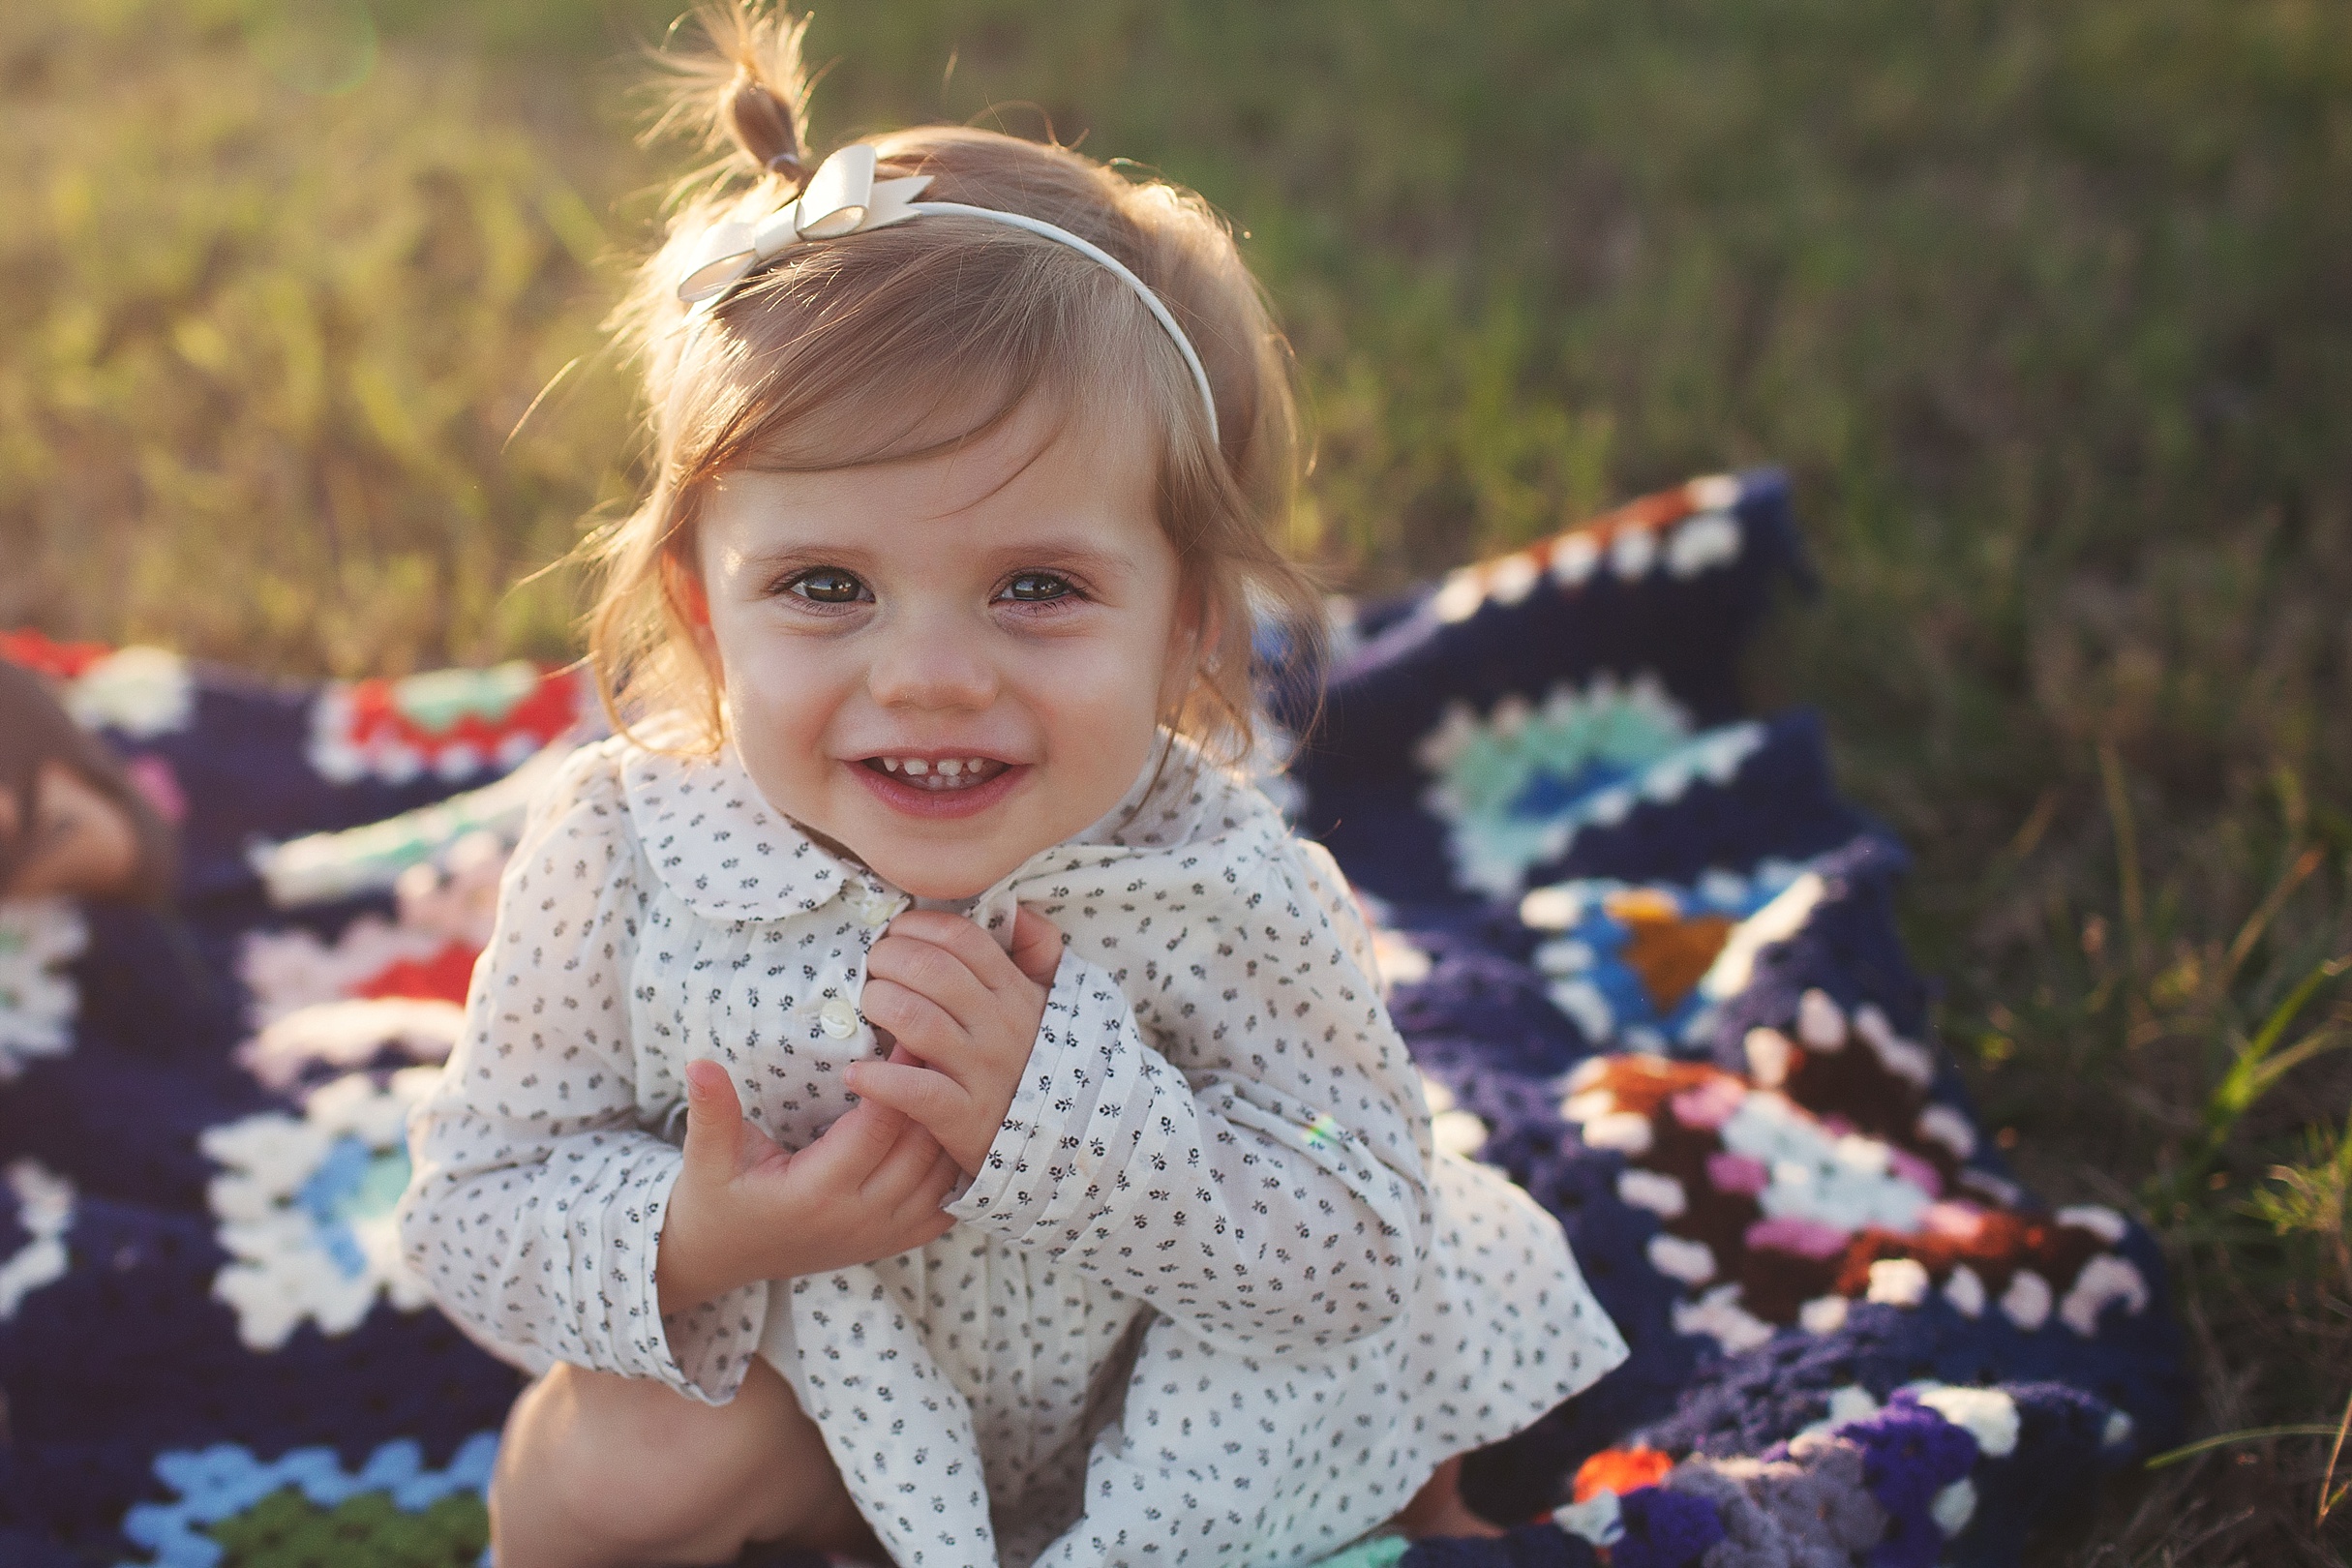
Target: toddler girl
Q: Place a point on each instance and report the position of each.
(919, 1101)
(72, 821)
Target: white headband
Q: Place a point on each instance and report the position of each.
(843, 198)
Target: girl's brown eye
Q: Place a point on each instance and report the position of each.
(828, 584)
(1033, 587)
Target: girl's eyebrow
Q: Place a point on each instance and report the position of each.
(785, 558)
(1078, 556)
(1075, 554)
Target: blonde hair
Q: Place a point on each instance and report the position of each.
(903, 342)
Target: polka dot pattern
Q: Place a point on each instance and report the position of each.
(1213, 1288)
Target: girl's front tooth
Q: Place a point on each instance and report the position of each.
(952, 765)
(917, 766)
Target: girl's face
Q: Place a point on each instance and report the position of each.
(949, 664)
(79, 841)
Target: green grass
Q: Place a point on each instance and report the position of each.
(2041, 302)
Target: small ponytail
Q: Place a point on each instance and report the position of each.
(750, 93)
(763, 127)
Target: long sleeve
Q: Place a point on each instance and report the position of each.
(534, 1209)
(1217, 1116)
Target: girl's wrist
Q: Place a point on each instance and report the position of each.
(676, 1288)
(685, 1272)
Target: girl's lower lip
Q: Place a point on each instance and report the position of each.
(914, 800)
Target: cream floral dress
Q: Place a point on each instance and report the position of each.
(1213, 1299)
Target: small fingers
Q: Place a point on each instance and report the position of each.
(908, 1163)
(940, 928)
(1036, 947)
(941, 1180)
(714, 1122)
(915, 1021)
(968, 945)
(933, 1225)
(850, 1149)
(936, 971)
(912, 1198)
(923, 1095)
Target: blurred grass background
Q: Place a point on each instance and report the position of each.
(2047, 305)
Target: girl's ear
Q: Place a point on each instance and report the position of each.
(682, 581)
(1192, 647)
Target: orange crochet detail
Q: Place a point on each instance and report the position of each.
(1620, 1470)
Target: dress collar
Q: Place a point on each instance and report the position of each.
(721, 849)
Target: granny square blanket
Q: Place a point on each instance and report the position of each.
(1644, 953)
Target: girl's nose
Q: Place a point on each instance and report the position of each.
(931, 662)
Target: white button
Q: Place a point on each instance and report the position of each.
(838, 1018)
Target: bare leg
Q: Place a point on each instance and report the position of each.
(601, 1472)
(1437, 1508)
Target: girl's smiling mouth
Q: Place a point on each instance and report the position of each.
(941, 773)
(938, 785)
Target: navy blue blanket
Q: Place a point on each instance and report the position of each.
(1644, 953)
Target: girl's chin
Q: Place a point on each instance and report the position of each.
(921, 871)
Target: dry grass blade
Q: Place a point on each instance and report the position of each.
(2336, 1452)
(2226, 1439)
(2308, 862)
(2125, 826)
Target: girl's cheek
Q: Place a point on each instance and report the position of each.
(1102, 685)
(777, 691)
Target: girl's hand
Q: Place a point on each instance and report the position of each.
(969, 1013)
(742, 1209)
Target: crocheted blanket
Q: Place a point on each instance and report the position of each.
(1644, 954)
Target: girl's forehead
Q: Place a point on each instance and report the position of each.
(1032, 478)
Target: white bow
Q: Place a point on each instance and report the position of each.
(842, 198)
